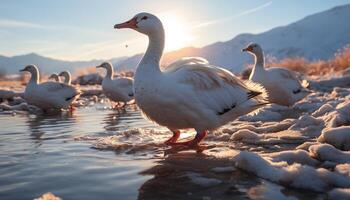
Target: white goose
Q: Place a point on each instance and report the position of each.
(67, 77)
(190, 93)
(55, 77)
(116, 89)
(48, 95)
(282, 85)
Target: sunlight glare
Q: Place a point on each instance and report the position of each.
(177, 32)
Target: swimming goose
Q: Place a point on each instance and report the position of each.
(48, 95)
(55, 77)
(67, 77)
(190, 93)
(116, 89)
(282, 85)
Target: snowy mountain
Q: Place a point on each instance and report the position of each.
(317, 36)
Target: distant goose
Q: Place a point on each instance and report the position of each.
(48, 95)
(116, 89)
(190, 93)
(55, 77)
(282, 85)
(67, 77)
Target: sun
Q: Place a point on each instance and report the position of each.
(177, 32)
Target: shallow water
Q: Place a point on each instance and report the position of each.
(39, 154)
(77, 157)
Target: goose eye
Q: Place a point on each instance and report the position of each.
(144, 18)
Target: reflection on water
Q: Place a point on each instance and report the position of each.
(189, 175)
(50, 126)
(40, 154)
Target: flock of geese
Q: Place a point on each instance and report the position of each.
(189, 94)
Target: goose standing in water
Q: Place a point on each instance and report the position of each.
(116, 89)
(190, 93)
(48, 95)
(67, 77)
(55, 77)
(282, 85)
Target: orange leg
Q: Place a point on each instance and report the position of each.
(71, 108)
(193, 144)
(124, 105)
(172, 140)
(116, 106)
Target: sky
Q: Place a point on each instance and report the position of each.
(83, 29)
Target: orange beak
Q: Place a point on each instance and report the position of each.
(129, 24)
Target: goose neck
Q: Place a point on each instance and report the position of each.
(154, 52)
(110, 73)
(67, 78)
(259, 60)
(34, 79)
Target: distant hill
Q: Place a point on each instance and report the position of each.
(317, 36)
(11, 65)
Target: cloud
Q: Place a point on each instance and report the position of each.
(246, 12)
(103, 50)
(8, 23)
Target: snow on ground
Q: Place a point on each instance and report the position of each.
(307, 146)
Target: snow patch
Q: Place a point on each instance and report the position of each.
(295, 175)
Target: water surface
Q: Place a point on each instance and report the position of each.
(76, 156)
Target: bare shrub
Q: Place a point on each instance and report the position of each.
(339, 62)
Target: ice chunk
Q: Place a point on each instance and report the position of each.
(201, 180)
(323, 110)
(308, 125)
(263, 115)
(339, 194)
(297, 156)
(245, 135)
(343, 169)
(305, 146)
(338, 137)
(340, 116)
(282, 137)
(326, 152)
(223, 169)
(48, 196)
(268, 190)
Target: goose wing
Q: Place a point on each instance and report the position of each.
(215, 87)
(59, 90)
(288, 78)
